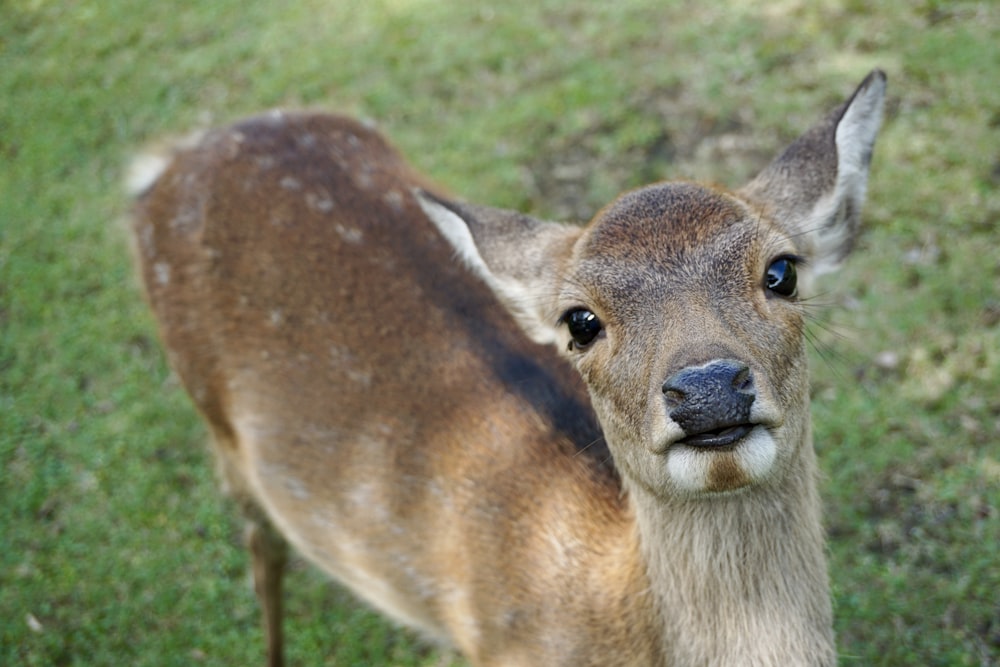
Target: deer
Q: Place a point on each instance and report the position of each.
(533, 442)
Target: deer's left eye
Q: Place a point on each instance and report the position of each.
(781, 277)
(583, 326)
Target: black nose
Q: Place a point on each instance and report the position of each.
(711, 400)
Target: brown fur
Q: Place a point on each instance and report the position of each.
(370, 398)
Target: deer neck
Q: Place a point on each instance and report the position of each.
(741, 579)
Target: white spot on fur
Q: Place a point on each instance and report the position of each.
(161, 270)
(368, 498)
(234, 144)
(185, 220)
(276, 317)
(147, 240)
(319, 202)
(352, 235)
(364, 180)
(290, 183)
(306, 140)
(294, 486)
(359, 377)
(394, 199)
(345, 362)
(323, 520)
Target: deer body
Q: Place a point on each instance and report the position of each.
(371, 400)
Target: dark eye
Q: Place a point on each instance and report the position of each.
(583, 327)
(781, 277)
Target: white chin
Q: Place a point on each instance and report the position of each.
(705, 469)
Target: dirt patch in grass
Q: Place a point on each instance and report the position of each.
(686, 141)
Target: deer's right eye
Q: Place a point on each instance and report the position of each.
(583, 327)
(781, 277)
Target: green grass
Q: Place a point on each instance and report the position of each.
(115, 547)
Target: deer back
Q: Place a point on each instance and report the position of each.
(369, 392)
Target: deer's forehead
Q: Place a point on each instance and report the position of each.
(670, 229)
(660, 222)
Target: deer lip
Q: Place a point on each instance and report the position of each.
(718, 438)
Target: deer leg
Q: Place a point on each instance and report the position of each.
(269, 553)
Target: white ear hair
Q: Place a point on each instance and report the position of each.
(521, 291)
(855, 139)
(816, 187)
(456, 231)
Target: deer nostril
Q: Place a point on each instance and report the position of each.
(743, 382)
(673, 395)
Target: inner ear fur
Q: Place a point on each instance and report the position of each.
(817, 186)
(520, 257)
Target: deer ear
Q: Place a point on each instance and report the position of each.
(817, 186)
(518, 256)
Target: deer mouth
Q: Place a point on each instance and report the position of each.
(719, 438)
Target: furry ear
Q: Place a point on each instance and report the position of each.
(817, 186)
(519, 257)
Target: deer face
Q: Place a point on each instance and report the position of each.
(679, 309)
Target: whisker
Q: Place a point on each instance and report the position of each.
(590, 444)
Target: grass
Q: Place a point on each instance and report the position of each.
(116, 548)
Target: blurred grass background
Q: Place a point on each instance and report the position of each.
(115, 547)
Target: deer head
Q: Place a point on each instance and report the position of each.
(681, 305)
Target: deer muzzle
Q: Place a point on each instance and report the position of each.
(711, 403)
